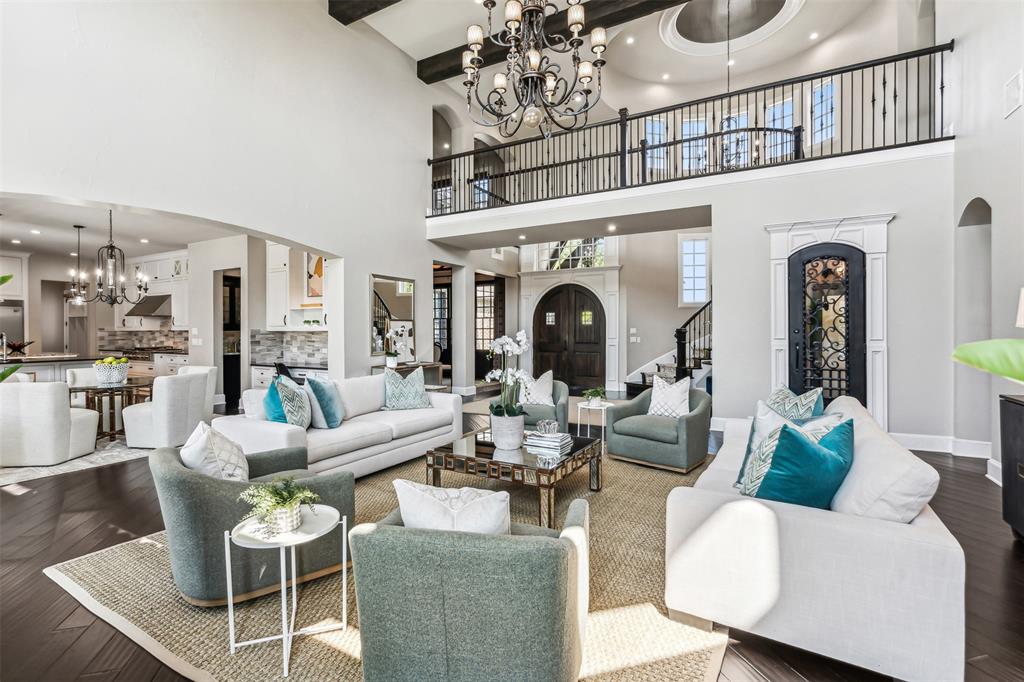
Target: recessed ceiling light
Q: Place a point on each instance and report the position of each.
(813, 36)
(447, 146)
(664, 76)
(732, 62)
(144, 241)
(630, 40)
(72, 254)
(611, 227)
(15, 241)
(35, 231)
(522, 237)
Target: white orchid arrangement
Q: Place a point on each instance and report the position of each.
(393, 342)
(510, 378)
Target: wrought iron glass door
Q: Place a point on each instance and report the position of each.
(826, 319)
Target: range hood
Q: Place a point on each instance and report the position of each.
(156, 305)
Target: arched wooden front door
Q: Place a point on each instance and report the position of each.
(568, 337)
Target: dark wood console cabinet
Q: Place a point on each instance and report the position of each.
(1011, 431)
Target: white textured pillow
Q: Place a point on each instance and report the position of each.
(670, 400)
(470, 510)
(767, 422)
(252, 403)
(539, 391)
(886, 481)
(214, 454)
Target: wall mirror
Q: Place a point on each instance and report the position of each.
(392, 305)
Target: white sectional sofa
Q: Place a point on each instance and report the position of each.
(882, 594)
(369, 438)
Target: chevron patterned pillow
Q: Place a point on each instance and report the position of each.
(405, 393)
(793, 406)
(295, 402)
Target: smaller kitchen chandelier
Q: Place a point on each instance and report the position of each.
(111, 280)
(531, 88)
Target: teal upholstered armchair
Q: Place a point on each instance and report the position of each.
(432, 603)
(560, 411)
(197, 509)
(675, 444)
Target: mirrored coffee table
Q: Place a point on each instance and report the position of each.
(475, 455)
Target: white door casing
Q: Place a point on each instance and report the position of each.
(867, 233)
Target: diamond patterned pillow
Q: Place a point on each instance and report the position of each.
(295, 402)
(214, 454)
(670, 400)
(760, 459)
(793, 406)
(539, 391)
(405, 393)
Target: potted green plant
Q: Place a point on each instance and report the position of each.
(507, 414)
(277, 504)
(594, 396)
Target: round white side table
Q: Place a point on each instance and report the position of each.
(314, 525)
(590, 409)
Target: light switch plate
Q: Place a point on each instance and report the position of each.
(632, 330)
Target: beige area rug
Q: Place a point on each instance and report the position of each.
(628, 636)
(109, 454)
(481, 407)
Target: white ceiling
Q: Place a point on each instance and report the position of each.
(54, 220)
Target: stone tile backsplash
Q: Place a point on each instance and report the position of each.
(292, 348)
(123, 340)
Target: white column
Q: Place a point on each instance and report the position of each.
(463, 311)
(334, 310)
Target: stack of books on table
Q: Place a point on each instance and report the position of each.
(548, 444)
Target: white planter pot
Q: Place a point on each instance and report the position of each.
(284, 520)
(111, 374)
(507, 432)
(391, 361)
(594, 402)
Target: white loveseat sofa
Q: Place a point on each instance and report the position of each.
(369, 438)
(881, 594)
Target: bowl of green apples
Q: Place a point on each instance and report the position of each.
(111, 370)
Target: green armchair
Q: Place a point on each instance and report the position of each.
(197, 509)
(560, 410)
(430, 601)
(675, 444)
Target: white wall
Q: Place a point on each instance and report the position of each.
(267, 115)
(989, 161)
(47, 267)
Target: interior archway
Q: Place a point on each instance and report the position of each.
(972, 318)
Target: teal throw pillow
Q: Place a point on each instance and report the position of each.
(295, 402)
(325, 403)
(793, 406)
(760, 459)
(405, 393)
(766, 420)
(272, 404)
(806, 472)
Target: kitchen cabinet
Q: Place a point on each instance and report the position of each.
(168, 364)
(277, 298)
(262, 376)
(288, 309)
(13, 265)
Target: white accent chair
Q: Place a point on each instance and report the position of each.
(86, 376)
(38, 427)
(211, 386)
(166, 421)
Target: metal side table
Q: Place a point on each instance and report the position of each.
(314, 525)
(590, 409)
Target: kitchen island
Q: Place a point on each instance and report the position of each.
(50, 366)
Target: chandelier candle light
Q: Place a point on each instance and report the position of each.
(531, 89)
(111, 280)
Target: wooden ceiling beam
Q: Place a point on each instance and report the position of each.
(349, 11)
(606, 13)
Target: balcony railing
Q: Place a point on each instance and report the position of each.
(880, 104)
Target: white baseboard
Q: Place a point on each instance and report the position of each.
(718, 423)
(994, 472)
(956, 446)
(464, 390)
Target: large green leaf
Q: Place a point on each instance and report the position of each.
(4, 279)
(8, 371)
(1002, 357)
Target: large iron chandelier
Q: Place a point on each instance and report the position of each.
(531, 89)
(111, 279)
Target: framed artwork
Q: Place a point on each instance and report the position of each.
(314, 275)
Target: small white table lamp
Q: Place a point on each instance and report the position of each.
(1020, 310)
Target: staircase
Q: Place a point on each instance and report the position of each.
(692, 356)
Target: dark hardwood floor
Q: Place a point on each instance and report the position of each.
(46, 635)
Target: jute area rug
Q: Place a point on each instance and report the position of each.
(628, 636)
